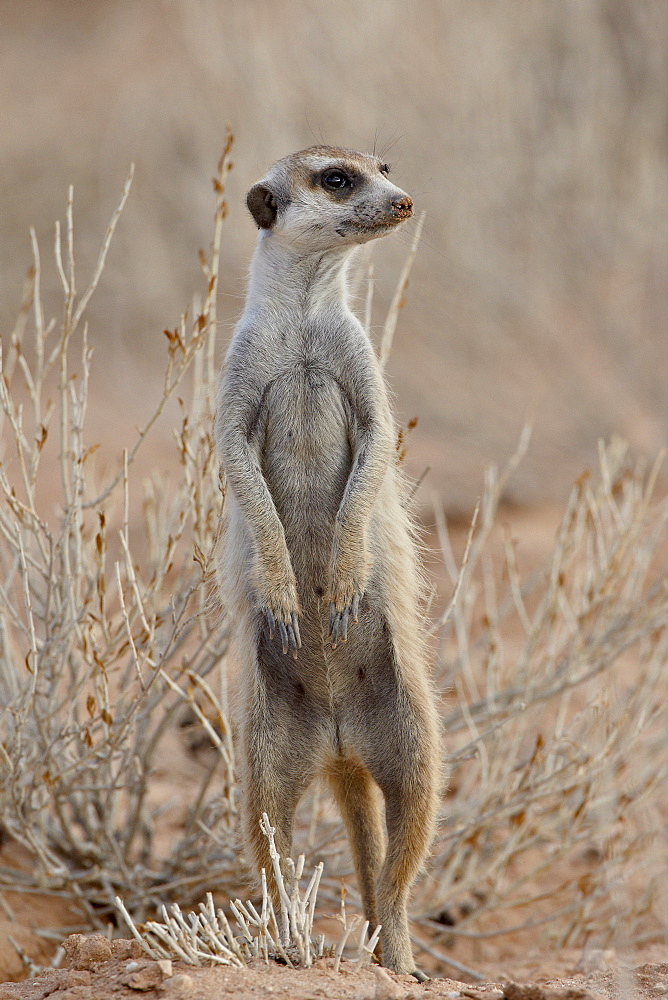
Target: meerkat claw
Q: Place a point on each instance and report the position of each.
(292, 639)
(344, 625)
(283, 632)
(336, 630)
(355, 608)
(295, 629)
(271, 622)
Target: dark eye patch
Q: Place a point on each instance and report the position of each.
(335, 179)
(384, 169)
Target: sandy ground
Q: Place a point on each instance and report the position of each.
(97, 969)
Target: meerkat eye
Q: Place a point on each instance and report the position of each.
(335, 180)
(385, 169)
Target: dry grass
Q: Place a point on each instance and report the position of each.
(552, 687)
(558, 731)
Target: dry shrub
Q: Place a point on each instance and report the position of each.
(284, 933)
(552, 687)
(103, 640)
(557, 736)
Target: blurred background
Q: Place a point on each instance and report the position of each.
(532, 134)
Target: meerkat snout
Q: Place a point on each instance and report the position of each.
(403, 206)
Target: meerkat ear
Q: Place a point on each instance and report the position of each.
(262, 205)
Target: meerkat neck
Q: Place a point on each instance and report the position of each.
(287, 279)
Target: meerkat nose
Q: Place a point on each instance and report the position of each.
(403, 205)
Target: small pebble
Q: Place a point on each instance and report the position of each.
(181, 983)
(146, 977)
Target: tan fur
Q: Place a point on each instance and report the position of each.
(319, 560)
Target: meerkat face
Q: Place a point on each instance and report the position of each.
(325, 198)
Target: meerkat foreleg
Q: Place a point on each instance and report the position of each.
(274, 581)
(349, 563)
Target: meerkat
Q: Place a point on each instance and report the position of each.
(319, 572)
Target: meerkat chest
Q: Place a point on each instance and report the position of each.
(305, 415)
(304, 445)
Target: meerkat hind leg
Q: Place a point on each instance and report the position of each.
(279, 765)
(408, 777)
(409, 816)
(269, 792)
(358, 799)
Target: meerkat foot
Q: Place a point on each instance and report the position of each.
(420, 976)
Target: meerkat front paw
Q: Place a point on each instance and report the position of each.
(338, 620)
(348, 574)
(280, 605)
(288, 630)
(345, 594)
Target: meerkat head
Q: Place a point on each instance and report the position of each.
(324, 198)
